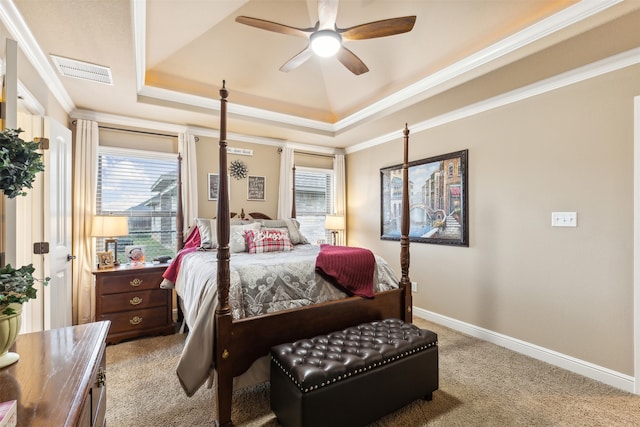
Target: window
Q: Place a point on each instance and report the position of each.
(142, 186)
(314, 201)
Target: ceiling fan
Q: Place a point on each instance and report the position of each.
(325, 38)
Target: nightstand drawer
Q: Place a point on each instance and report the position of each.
(136, 319)
(136, 300)
(132, 281)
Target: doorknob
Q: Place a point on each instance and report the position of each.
(71, 257)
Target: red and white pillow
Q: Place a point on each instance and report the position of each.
(268, 240)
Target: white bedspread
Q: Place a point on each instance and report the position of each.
(270, 282)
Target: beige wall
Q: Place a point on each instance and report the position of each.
(264, 162)
(566, 289)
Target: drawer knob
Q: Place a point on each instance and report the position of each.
(135, 301)
(101, 378)
(136, 320)
(136, 282)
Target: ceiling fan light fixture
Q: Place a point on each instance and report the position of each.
(325, 43)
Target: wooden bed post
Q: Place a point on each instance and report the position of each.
(179, 213)
(222, 344)
(405, 282)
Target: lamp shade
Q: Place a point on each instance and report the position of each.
(334, 222)
(110, 226)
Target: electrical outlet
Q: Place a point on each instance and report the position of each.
(414, 286)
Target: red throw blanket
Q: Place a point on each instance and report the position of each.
(192, 244)
(351, 269)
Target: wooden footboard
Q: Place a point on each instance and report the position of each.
(253, 337)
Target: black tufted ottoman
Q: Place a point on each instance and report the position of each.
(355, 376)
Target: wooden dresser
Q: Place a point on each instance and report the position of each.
(60, 378)
(131, 298)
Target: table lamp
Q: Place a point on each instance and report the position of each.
(110, 226)
(335, 223)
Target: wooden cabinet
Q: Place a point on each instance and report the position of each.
(132, 300)
(60, 379)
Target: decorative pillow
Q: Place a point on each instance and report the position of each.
(207, 229)
(268, 240)
(237, 241)
(238, 221)
(292, 225)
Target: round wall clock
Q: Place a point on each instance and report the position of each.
(238, 169)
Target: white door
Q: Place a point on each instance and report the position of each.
(57, 226)
(29, 224)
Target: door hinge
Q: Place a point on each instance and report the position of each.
(40, 248)
(44, 142)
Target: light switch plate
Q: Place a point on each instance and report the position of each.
(564, 219)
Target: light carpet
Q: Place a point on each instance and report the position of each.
(481, 384)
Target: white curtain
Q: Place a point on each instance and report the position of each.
(187, 149)
(285, 195)
(84, 208)
(339, 202)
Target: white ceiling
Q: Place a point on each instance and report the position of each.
(169, 58)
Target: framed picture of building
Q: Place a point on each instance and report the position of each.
(438, 195)
(256, 188)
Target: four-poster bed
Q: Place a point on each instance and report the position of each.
(239, 342)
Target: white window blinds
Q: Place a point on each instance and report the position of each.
(140, 185)
(314, 201)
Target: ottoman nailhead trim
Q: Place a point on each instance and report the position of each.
(324, 339)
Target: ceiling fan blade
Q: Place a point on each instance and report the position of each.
(274, 26)
(372, 30)
(327, 13)
(351, 61)
(297, 60)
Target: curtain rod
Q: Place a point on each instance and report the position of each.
(135, 131)
(305, 153)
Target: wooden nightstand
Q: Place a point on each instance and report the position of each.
(131, 298)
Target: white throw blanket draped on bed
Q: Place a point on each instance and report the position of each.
(271, 282)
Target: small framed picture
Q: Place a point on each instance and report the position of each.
(214, 180)
(256, 188)
(105, 260)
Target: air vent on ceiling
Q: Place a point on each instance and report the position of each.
(82, 70)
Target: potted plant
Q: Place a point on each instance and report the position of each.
(16, 287)
(20, 161)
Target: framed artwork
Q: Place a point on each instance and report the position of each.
(214, 180)
(105, 260)
(438, 188)
(256, 188)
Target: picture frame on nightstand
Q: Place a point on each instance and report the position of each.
(105, 260)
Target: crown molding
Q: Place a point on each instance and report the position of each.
(213, 104)
(19, 30)
(139, 22)
(595, 69)
(550, 25)
(117, 120)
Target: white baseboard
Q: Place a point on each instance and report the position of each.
(589, 370)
